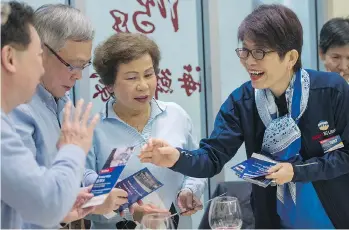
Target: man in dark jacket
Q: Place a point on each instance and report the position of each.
(298, 117)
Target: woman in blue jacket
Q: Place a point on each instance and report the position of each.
(299, 117)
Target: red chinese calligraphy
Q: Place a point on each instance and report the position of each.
(102, 90)
(143, 26)
(174, 12)
(189, 84)
(147, 4)
(164, 83)
(121, 19)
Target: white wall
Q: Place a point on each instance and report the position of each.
(340, 8)
(231, 14)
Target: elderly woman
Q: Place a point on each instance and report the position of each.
(334, 46)
(298, 117)
(128, 64)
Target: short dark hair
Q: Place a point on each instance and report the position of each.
(276, 27)
(122, 48)
(15, 30)
(334, 33)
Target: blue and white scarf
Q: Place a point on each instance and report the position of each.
(282, 137)
(282, 141)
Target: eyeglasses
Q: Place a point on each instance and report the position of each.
(70, 67)
(257, 54)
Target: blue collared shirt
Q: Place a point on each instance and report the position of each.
(167, 121)
(32, 193)
(38, 123)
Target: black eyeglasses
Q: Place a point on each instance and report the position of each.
(70, 67)
(257, 54)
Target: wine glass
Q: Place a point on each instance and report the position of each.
(225, 213)
(157, 221)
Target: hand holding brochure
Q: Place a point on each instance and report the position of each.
(138, 186)
(255, 169)
(109, 175)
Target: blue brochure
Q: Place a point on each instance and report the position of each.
(138, 186)
(109, 175)
(240, 168)
(255, 169)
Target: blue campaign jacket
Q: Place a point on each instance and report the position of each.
(238, 121)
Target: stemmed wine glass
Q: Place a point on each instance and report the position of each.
(157, 221)
(225, 213)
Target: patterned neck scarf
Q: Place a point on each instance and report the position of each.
(282, 137)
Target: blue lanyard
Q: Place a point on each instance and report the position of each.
(294, 148)
(297, 96)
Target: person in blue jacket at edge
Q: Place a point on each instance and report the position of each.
(299, 117)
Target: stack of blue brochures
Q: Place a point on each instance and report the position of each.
(255, 169)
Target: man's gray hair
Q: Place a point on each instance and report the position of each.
(58, 23)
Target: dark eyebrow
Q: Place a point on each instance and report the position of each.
(131, 72)
(151, 68)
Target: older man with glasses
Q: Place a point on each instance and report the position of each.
(67, 37)
(70, 67)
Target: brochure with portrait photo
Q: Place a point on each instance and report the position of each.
(138, 186)
(109, 175)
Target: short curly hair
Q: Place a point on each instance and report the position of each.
(122, 48)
